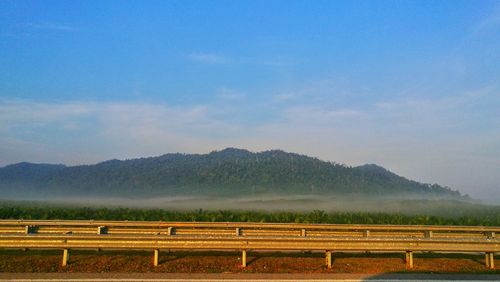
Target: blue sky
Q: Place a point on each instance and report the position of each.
(411, 85)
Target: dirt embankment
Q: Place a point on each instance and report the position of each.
(229, 262)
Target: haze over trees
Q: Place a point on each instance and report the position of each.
(471, 215)
(227, 173)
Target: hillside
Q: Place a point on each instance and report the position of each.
(230, 172)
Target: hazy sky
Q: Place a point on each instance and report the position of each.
(411, 85)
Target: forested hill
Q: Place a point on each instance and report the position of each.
(230, 172)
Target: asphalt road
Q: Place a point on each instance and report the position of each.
(172, 277)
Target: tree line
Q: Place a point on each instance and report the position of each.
(316, 216)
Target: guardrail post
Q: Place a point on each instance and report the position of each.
(328, 259)
(303, 233)
(155, 257)
(238, 231)
(366, 233)
(65, 259)
(409, 259)
(428, 234)
(492, 260)
(243, 258)
(487, 259)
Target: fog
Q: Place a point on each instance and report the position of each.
(299, 203)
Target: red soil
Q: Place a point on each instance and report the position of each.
(230, 262)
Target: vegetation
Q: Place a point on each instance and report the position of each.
(317, 216)
(224, 173)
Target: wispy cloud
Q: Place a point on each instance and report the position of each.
(134, 128)
(208, 58)
(320, 115)
(489, 22)
(331, 96)
(52, 26)
(131, 115)
(17, 112)
(440, 104)
(274, 62)
(230, 94)
(214, 58)
(11, 35)
(427, 139)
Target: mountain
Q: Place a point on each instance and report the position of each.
(230, 172)
(28, 172)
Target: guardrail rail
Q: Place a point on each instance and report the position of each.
(244, 236)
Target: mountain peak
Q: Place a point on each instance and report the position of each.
(232, 152)
(372, 167)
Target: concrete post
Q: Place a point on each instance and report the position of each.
(487, 259)
(238, 231)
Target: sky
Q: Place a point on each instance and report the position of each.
(413, 86)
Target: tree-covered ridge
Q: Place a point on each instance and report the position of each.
(227, 172)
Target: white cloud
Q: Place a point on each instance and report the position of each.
(429, 140)
(108, 129)
(208, 58)
(440, 113)
(16, 112)
(285, 96)
(53, 26)
(213, 58)
(321, 115)
(230, 94)
(332, 91)
(274, 62)
(489, 22)
(22, 111)
(11, 35)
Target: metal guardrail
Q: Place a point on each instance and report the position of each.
(241, 228)
(66, 235)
